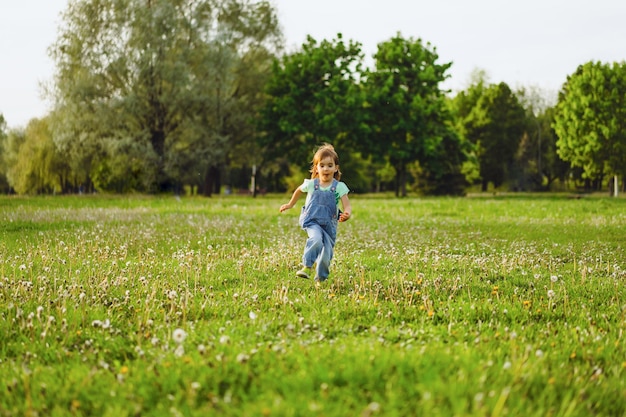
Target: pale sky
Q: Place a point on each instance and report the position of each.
(535, 43)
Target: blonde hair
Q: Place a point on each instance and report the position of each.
(325, 151)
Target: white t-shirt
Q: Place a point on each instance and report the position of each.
(308, 186)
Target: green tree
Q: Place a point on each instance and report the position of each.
(4, 184)
(151, 94)
(590, 119)
(406, 105)
(313, 97)
(32, 164)
(495, 125)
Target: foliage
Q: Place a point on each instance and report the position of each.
(590, 119)
(174, 82)
(407, 106)
(450, 306)
(495, 124)
(312, 98)
(31, 162)
(4, 184)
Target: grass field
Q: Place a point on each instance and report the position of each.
(156, 306)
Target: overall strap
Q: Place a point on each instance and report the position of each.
(316, 183)
(333, 187)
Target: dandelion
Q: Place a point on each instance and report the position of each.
(539, 353)
(179, 351)
(201, 349)
(179, 336)
(252, 315)
(551, 294)
(224, 340)
(243, 358)
(195, 386)
(22, 267)
(554, 278)
(507, 365)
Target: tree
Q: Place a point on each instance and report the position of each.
(590, 119)
(495, 125)
(406, 104)
(151, 94)
(4, 184)
(312, 98)
(32, 165)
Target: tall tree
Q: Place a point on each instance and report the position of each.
(590, 119)
(406, 104)
(152, 93)
(4, 184)
(32, 164)
(496, 125)
(312, 98)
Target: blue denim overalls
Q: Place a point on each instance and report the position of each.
(319, 220)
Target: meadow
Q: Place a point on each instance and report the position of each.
(158, 306)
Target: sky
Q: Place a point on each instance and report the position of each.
(535, 43)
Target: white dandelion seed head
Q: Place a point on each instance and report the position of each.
(539, 353)
(224, 340)
(201, 349)
(252, 315)
(243, 358)
(554, 278)
(551, 293)
(506, 365)
(179, 336)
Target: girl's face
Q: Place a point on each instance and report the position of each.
(326, 169)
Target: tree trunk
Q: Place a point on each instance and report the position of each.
(401, 180)
(212, 182)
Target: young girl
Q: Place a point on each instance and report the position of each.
(320, 212)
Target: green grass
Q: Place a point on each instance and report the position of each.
(487, 306)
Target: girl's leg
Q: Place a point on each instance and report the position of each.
(325, 256)
(314, 245)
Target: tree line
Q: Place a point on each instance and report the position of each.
(193, 96)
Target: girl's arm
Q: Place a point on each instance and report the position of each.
(347, 208)
(294, 198)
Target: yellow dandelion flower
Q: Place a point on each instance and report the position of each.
(572, 355)
(430, 313)
(75, 405)
(552, 380)
(526, 303)
(124, 370)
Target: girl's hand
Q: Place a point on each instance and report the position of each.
(345, 216)
(285, 207)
